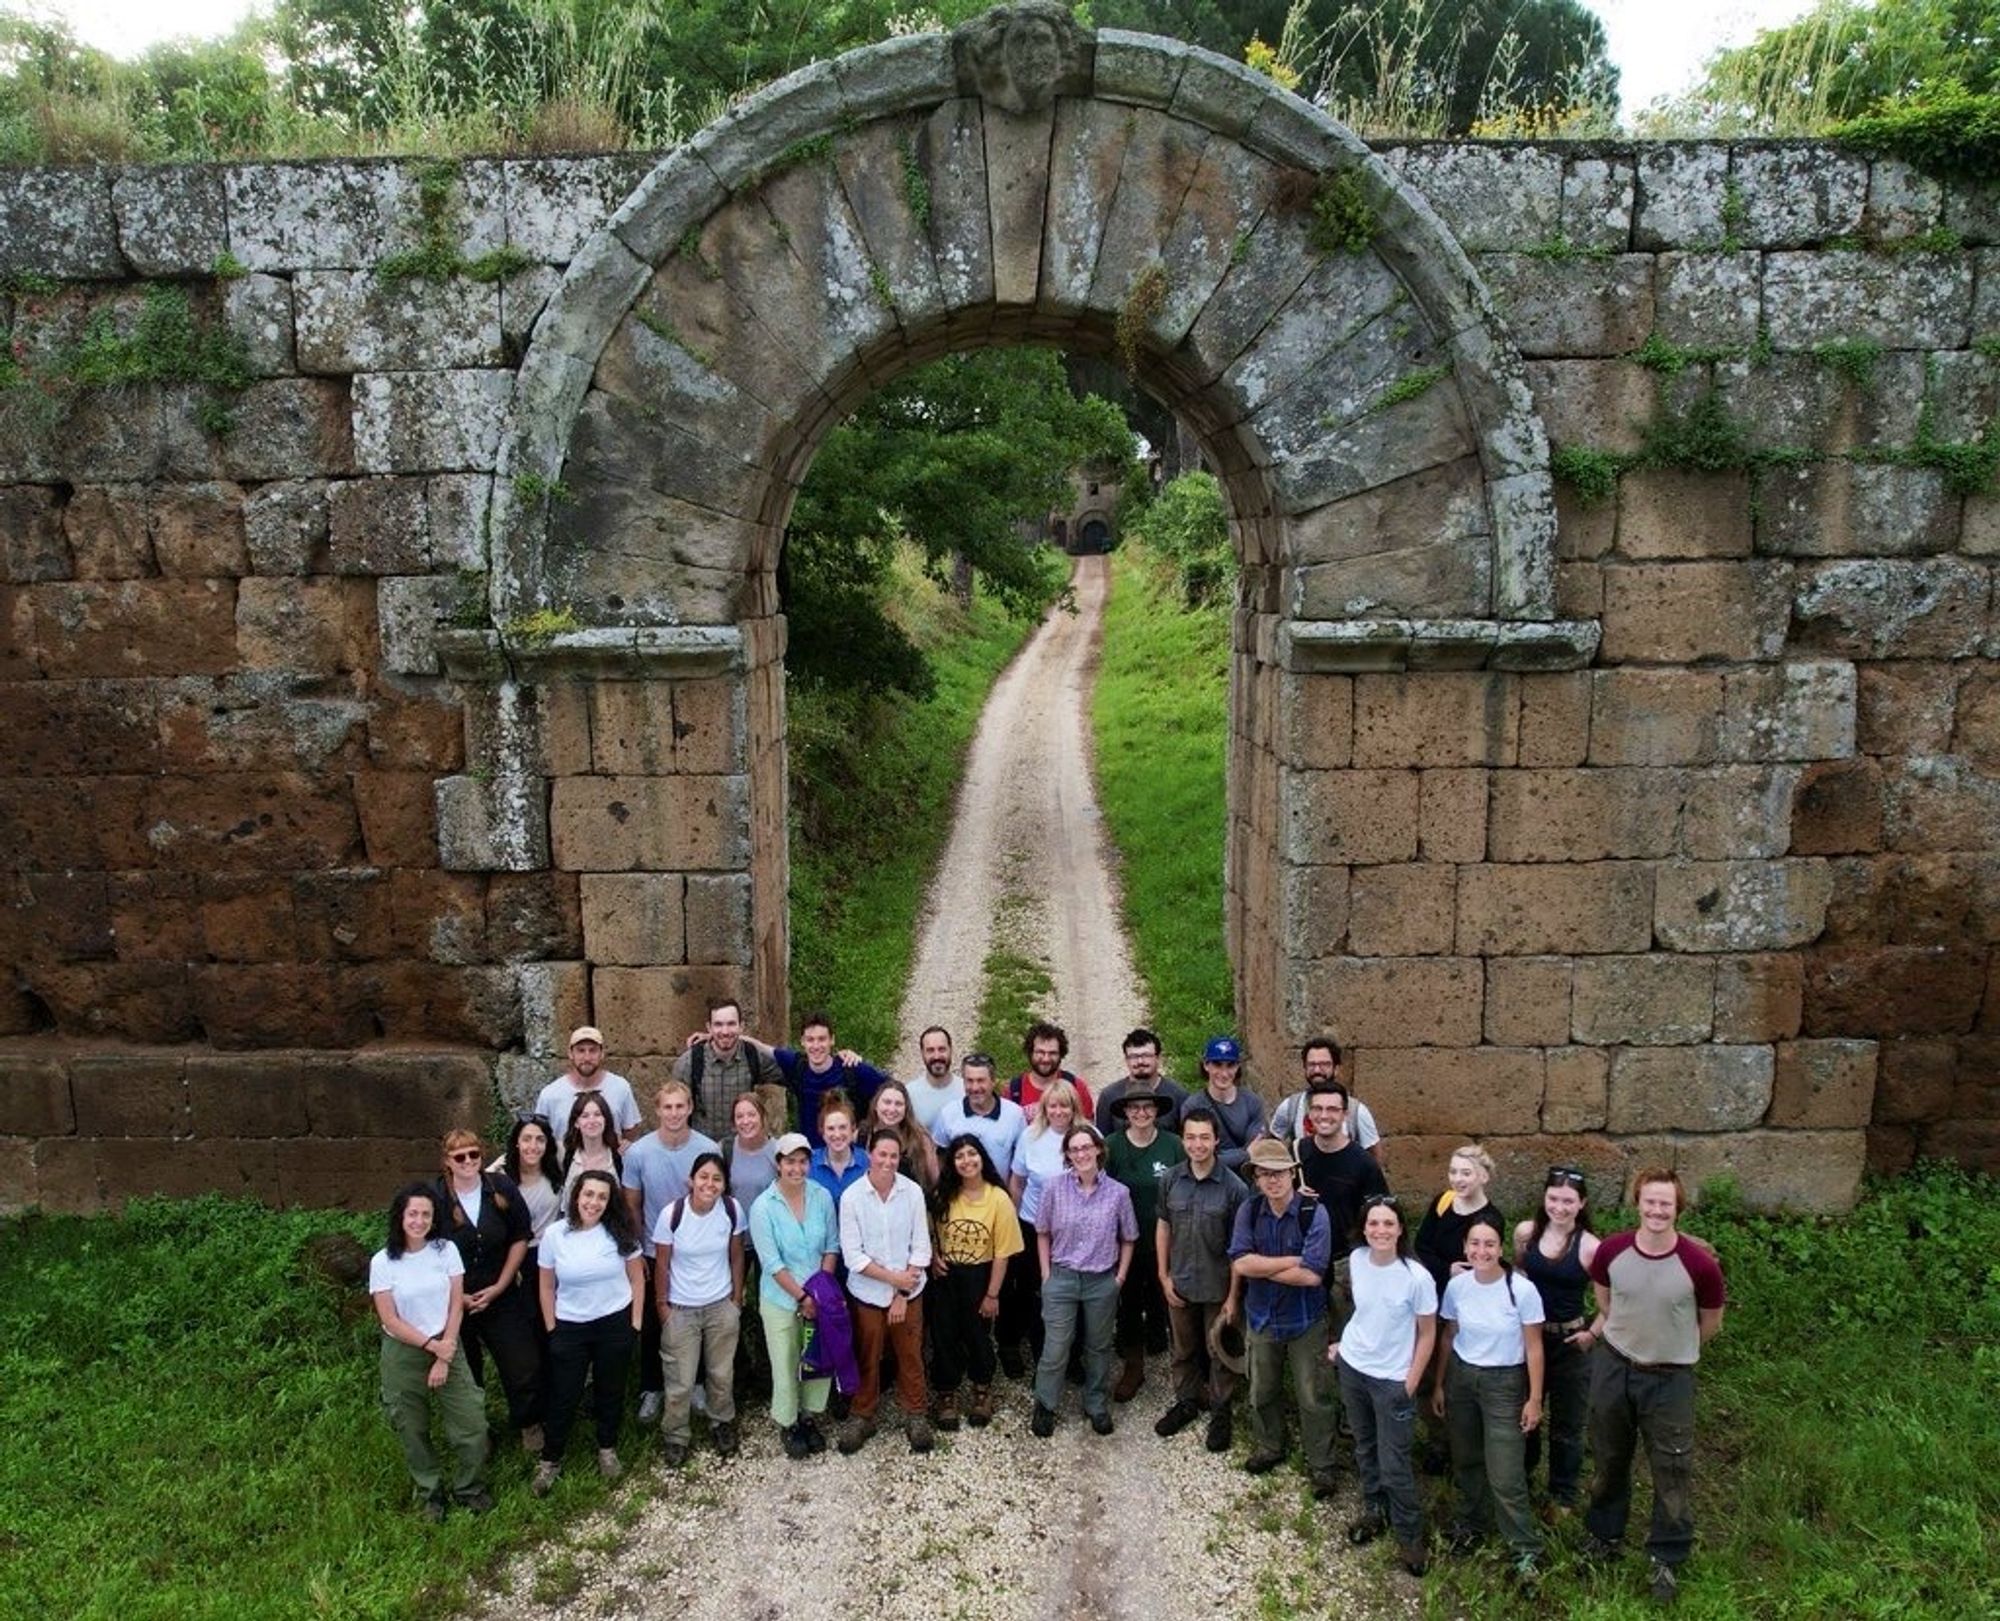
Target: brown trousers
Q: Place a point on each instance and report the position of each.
(872, 1331)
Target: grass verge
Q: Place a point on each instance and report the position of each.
(201, 1436)
(1161, 717)
(879, 826)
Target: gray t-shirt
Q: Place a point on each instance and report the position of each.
(660, 1173)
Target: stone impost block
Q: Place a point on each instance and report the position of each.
(1655, 717)
(58, 222)
(1650, 1001)
(554, 204)
(170, 218)
(1709, 300)
(1476, 1091)
(1901, 301)
(1576, 1092)
(35, 1099)
(353, 215)
(1436, 719)
(719, 918)
(356, 321)
(651, 824)
(1392, 1001)
(1528, 1002)
(1741, 905)
(651, 1010)
(1683, 195)
(496, 824)
(432, 421)
(130, 1095)
(1402, 911)
(1587, 815)
(635, 919)
(1796, 195)
(1781, 1170)
(1543, 909)
(1732, 812)
(1668, 514)
(1803, 709)
(1597, 198)
(1491, 197)
(1708, 1088)
(1823, 1085)
(1878, 610)
(1348, 816)
(1683, 613)
(1572, 307)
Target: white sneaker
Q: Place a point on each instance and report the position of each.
(649, 1407)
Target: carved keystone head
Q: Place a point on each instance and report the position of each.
(1020, 57)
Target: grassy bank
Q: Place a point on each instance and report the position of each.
(872, 791)
(1161, 716)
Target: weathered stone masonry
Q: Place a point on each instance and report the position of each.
(438, 703)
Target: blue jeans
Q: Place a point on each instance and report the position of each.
(1383, 1416)
(1067, 1297)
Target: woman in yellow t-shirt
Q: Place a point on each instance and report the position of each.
(977, 1231)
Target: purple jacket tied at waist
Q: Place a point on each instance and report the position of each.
(829, 1348)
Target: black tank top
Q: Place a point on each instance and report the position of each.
(1560, 1282)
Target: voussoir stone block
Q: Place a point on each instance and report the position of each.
(1702, 1088)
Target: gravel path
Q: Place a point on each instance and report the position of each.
(1026, 856)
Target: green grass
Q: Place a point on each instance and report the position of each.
(1161, 714)
(198, 1433)
(1848, 1462)
(1011, 1001)
(856, 894)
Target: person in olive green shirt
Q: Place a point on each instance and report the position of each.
(1141, 1156)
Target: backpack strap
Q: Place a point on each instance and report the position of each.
(675, 1211)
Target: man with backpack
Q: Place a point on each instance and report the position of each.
(719, 1065)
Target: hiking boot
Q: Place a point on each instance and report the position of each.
(1131, 1375)
(793, 1438)
(854, 1434)
(815, 1436)
(726, 1440)
(1262, 1463)
(1043, 1424)
(1666, 1586)
(1365, 1530)
(1012, 1363)
(947, 1410)
(918, 1429)
(1101, 1423)
(474, 1500)
(1595, 1550)
(1177, 1418)
(1413, 1557)
(979, 1412)
(546, 1476)
(1221, 1430)
(434, 1507)
(651, 1403)
(1325, 1484)
(607, 1463)
(674, 1453)
(531, 1440)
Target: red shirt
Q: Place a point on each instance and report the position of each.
(1026, 1090)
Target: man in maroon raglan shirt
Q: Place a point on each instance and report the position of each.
(1659, 1301)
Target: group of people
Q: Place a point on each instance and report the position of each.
(927, 1238)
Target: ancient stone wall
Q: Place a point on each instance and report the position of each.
(306, 858)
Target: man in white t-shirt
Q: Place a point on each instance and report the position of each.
(656, 1173)
(586, 1073)
(939, 1085)
(1322, 1060)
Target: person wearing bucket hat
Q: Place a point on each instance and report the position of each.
(1141, 1156)
(1197, 1212)
(1280, 1251)
(1238, 1110)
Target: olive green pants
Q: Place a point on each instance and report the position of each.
(406, 1404)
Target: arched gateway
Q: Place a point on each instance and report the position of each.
(1020, 181)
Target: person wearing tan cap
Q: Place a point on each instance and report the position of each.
(586, 1073)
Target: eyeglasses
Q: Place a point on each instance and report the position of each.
(1565, 1176)
(461, 1156)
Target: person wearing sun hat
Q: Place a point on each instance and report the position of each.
(1238, 1110)
(1281, 1252)
(1141, 1156)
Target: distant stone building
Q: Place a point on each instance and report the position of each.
(1090, 523)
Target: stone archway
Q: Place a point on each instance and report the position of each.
(1021, 181)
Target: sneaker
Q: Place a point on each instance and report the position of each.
(1413, 1557)
(979, 1412)
(854, 1434)
(947, 1410)
(1365, 1530)
(793, 1439)
(474, 1500)
(918, 1429)
(1666, 1587)
(546, 1476)
(1177, 1418)
(1101, 1423)
(1325, 1484)
(838, 1405)
(1262, 1463)
(1527, 1575)
(674, 1453)
(1221, 1430)
(607, 1463)
(531, 1440)
(434, 1507)
(815, 1436)
(650, 1404)
(725, 1438)
(1043, 1424)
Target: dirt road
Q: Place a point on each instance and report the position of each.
(1026, 856)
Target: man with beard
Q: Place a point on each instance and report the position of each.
(939, 1086)
(586, 1073)
(720, 1065)
(1142, 1073)
(1046, 1046)
(1341, 1174)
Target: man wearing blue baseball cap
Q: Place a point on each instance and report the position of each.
(1238, 1110)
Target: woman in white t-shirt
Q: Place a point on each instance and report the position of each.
(1381, 1356)
(591, 1275)
(1491, 1394)
(698, 1262)
(417, 1281)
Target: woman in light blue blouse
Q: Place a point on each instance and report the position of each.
(796, 1232)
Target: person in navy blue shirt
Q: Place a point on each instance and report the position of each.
(814, 1069)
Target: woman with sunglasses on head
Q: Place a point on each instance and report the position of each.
(592, 1302)
(486, 1218)
(1553, 1251)
(1382, 1355)
(417, 1282)
(591, 1143)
